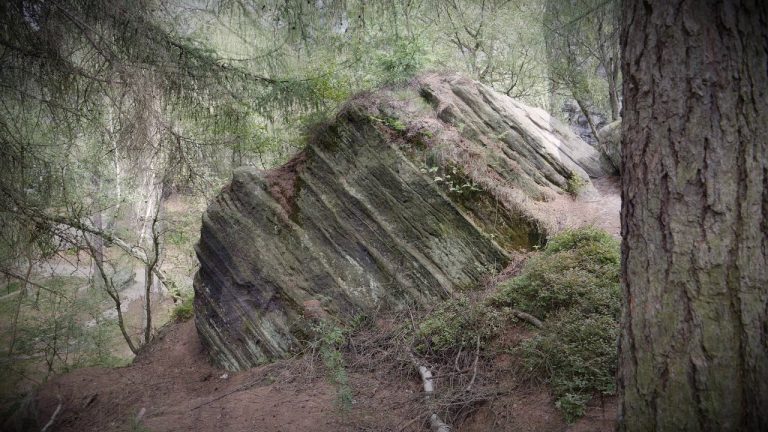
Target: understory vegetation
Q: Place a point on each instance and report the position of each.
(571, 286)
(184, 310)
(121, 119)
(574, 287)
(54, 330)
(328, 341)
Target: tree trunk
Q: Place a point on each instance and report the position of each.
(148, 281)
(693, 349)
(613, 90)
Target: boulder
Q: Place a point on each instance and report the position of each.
(408, 195)
(610, 143)
(578, 122)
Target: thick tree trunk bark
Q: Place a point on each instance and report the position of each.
(694, 344)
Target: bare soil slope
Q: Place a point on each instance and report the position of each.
(172, 387)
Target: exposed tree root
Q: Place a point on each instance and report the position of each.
(530, 319)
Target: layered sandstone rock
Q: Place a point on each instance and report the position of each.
(406, 196)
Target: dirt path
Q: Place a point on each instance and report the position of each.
(601, 208)
(176, 389)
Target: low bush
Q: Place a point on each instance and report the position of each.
(574, 286)
(575, 184)
(578, 268)
(184, 310)
(458, 324)
(577, 355)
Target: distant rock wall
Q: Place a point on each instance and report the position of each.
(579, 123)
(406, 196)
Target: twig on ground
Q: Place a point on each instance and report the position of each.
(474, 367)
(245, 386)
(456, 362)
(435, 422)
(53, 417)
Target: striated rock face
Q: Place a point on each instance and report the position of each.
(406, 196)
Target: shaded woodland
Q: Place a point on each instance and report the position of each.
(128, 128)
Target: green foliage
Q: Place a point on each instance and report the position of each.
(452, 179)
(58, 330)
(583, 36)
(459, 324)
(396, 124)
(329, 341)
(603, 246)
(391, 122)
(185, 309)
(575, 184)
(574, 285)
(573, 406)
(578, 269)
(577, 353)
(406, 58)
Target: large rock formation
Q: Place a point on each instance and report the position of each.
(406, 196)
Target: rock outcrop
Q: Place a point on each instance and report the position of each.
(579, 123)
(610, 143)
(406, 196)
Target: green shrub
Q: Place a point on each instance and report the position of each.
(458, 324)
(184, 310)
(572, 405)
(396, 124)
(574, 286)
(579, 268)
(403, 61)
(578, 355)
(590, 237)
(575, 184)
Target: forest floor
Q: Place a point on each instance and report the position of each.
(600, 209)
(171, 385)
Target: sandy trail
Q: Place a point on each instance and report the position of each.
(601, 208)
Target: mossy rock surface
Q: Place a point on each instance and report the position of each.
(400, 200)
